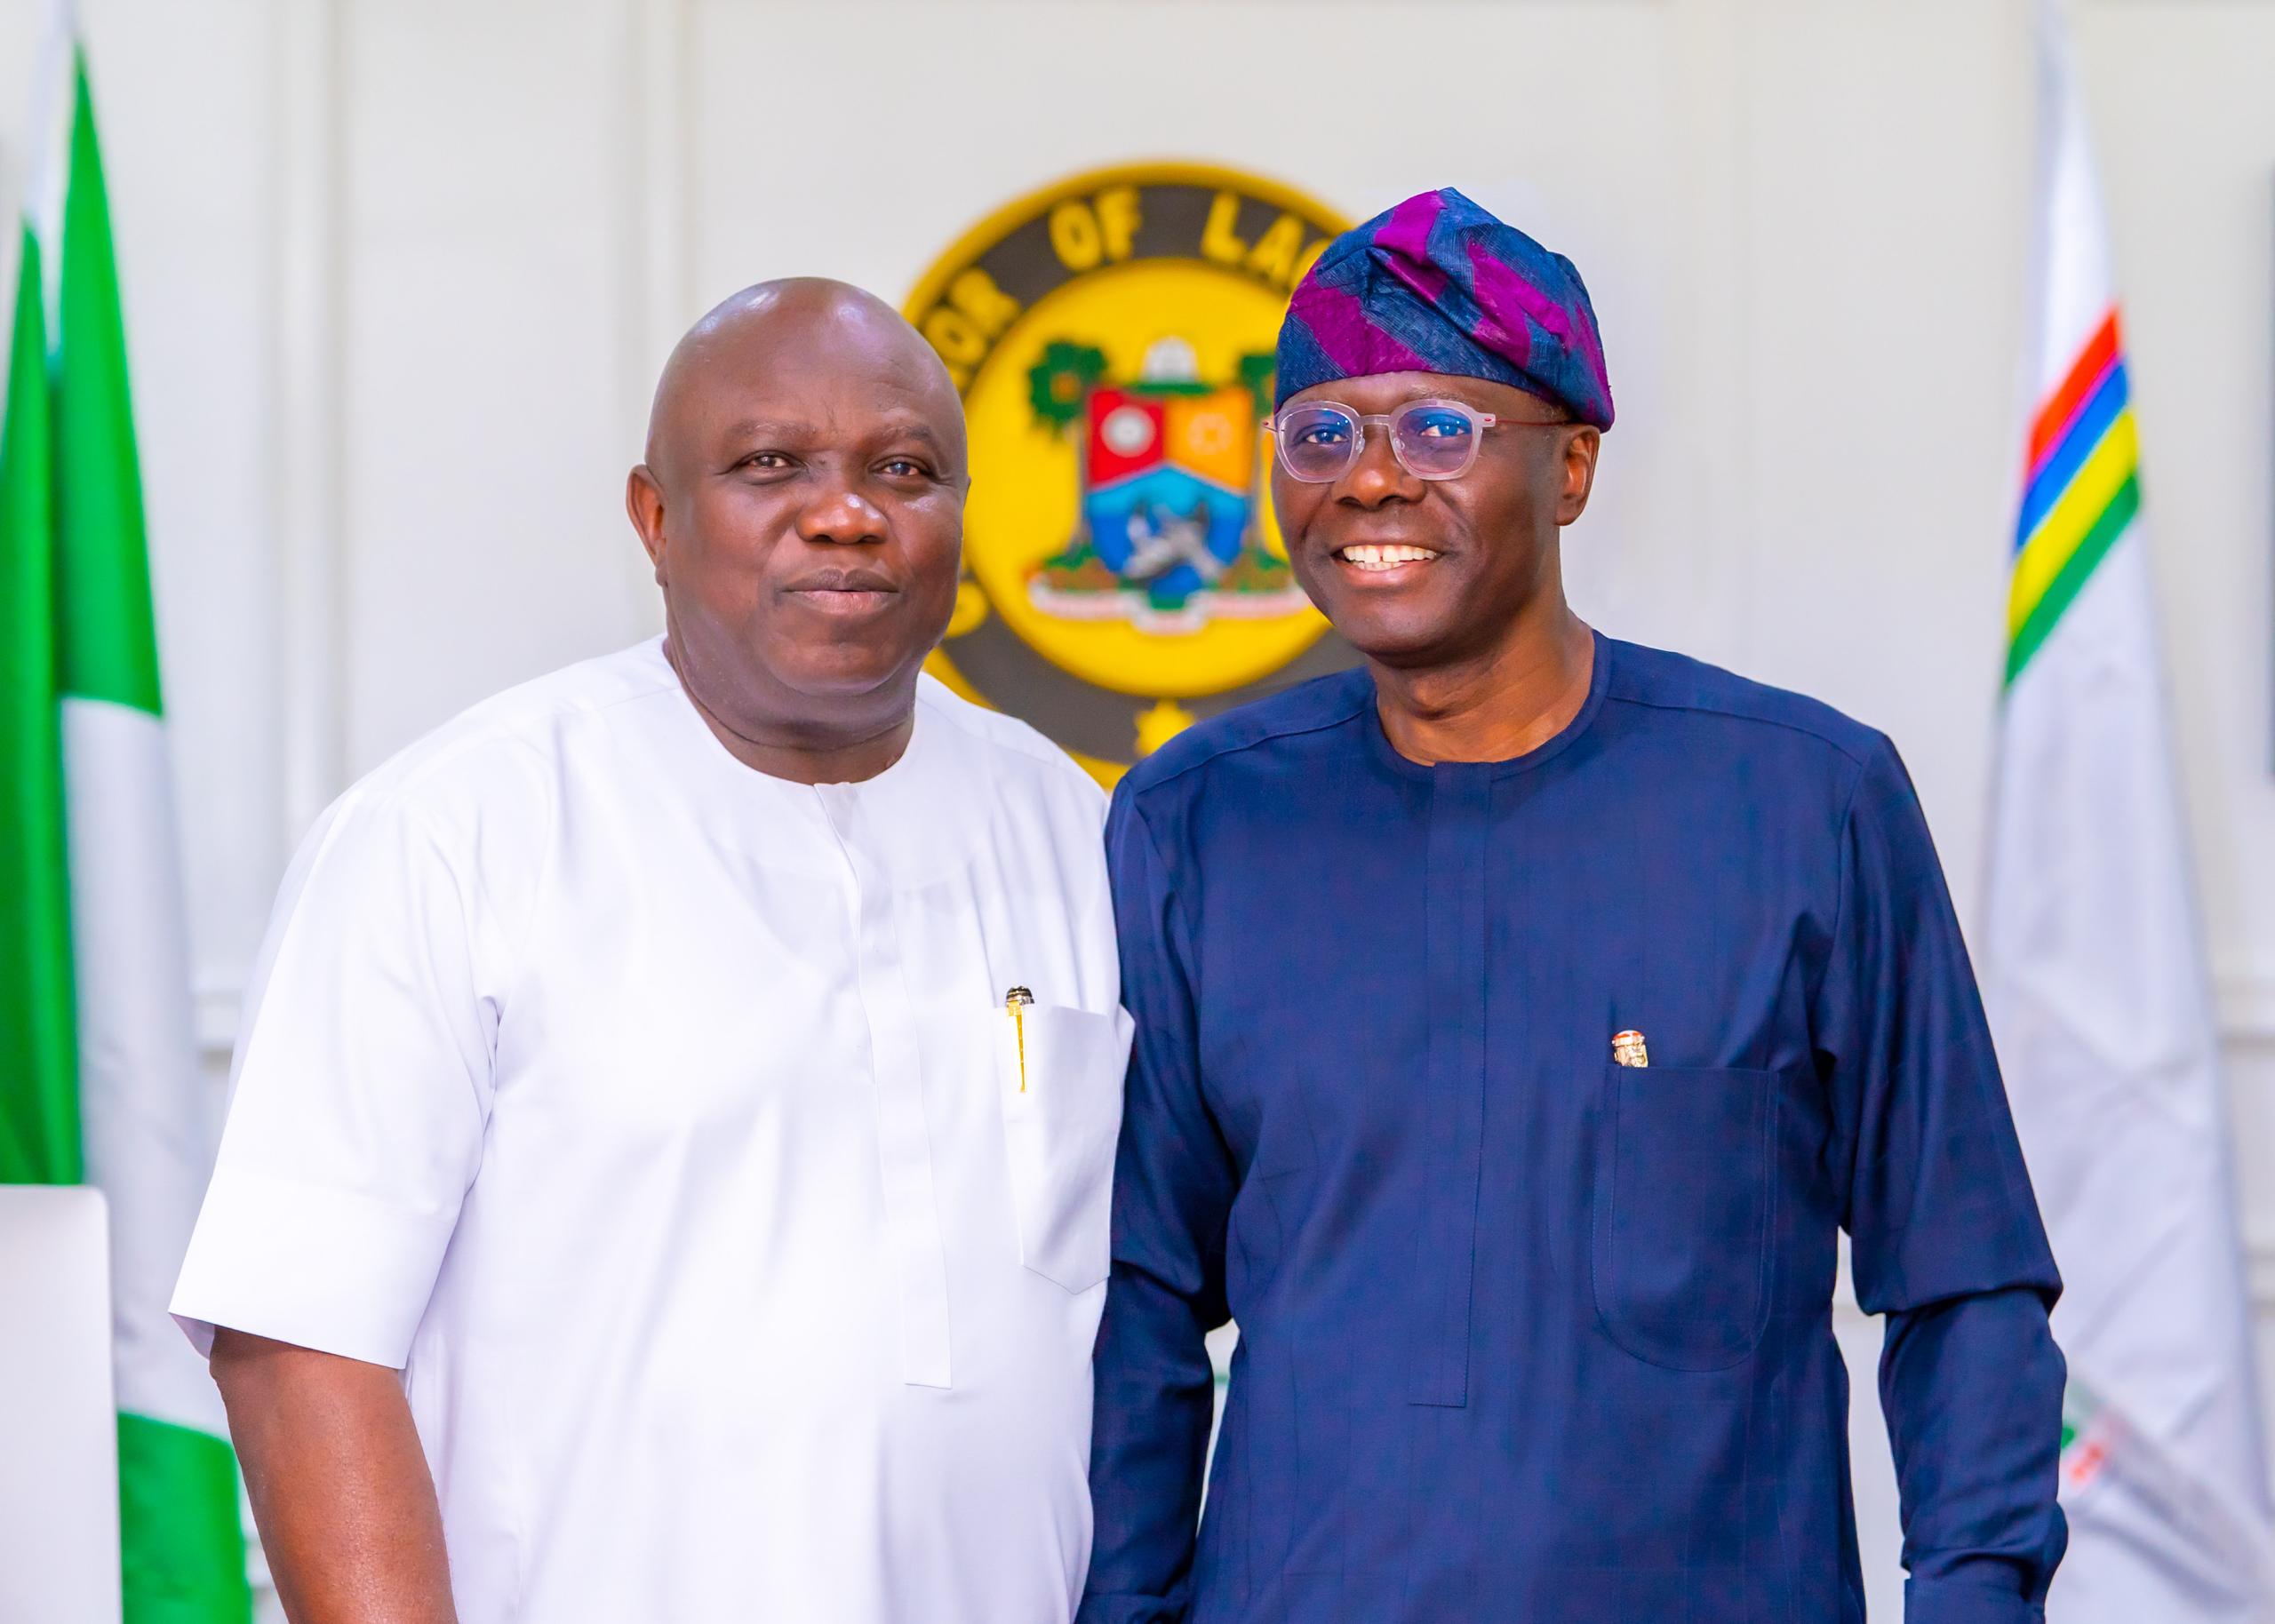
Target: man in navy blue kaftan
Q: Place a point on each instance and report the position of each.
(1520, 1018)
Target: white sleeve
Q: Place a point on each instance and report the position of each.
(362, 1094)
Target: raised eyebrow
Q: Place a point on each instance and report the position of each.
(749, 435)
(769, 428)
(1420, 396)
(923, 432)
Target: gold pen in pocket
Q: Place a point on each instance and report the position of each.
(1015, 1003)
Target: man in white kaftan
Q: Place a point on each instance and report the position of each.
(655, 1097)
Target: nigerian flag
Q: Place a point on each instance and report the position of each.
(98, 1079)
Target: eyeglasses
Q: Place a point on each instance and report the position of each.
(1321, 440)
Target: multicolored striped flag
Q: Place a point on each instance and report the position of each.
(2094, 970)
(98, 1077)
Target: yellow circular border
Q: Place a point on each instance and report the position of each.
(994, 228)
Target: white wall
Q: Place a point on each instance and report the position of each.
(398, 273)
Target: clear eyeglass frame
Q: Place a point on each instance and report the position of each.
(1277, 425)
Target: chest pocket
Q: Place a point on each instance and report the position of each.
(1679, 1243)
(1059, 1078)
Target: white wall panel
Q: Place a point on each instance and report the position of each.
(1886, 173)
(483, 453)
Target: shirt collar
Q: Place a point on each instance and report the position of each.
(1369, 722)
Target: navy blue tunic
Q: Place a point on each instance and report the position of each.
(1526, 1335)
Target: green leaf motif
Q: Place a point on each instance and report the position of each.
(1060, 383)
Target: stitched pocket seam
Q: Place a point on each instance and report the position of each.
(1603, 1205)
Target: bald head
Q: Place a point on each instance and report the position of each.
(785, 329)
(802, 504)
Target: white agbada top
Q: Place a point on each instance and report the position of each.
(664, 1122)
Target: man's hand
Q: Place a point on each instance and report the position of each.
(339, 1486)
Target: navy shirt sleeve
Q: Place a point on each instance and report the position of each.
(1174, 1184)
(1945, 1235)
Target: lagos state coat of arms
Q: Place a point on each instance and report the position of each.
(1111, 337)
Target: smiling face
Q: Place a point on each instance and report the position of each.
(1420, 573)
(803, 502)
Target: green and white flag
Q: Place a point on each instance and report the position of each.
(98, 1079)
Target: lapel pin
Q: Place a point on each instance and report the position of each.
(1627, 1050)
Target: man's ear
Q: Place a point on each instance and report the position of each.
(1581, 449)
(644, 502)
